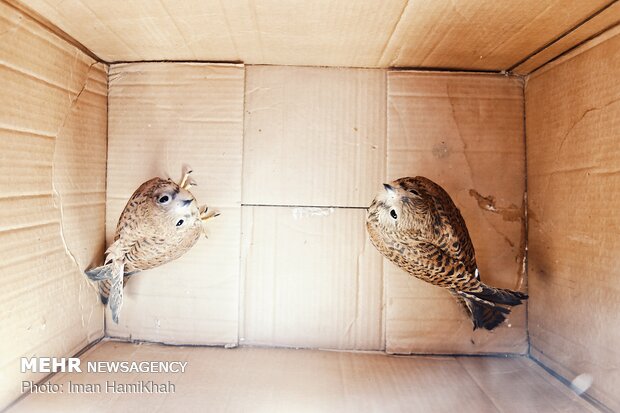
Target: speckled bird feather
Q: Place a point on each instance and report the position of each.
(415, 224)
(160, 223)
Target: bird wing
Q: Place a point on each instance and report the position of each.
(453, 238)
(430, 263)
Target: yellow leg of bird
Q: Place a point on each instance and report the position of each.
(186, 181)
(205, 215)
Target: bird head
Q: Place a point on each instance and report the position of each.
(176, 206)
(398, 208)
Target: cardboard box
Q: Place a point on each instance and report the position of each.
(292, 115)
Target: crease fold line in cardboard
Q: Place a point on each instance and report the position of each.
(316, 207)
(395, 56)
(562, 36)
(52, 28)
(58, 202)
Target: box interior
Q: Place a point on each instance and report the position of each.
(291, 125)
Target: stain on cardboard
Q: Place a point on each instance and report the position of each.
(511, 213)
(441, 150)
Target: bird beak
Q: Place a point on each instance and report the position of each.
(186, 202)
(388, 188)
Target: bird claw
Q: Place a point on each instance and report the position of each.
(187, 182)
(205, 215)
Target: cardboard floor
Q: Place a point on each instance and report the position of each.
(290, 380)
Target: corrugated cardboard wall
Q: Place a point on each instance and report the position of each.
(465, 132)
(474, 35)
(305, 126)
(52, 171)
(314, 152)
(573, 130)
(163, 116)
(53, 127)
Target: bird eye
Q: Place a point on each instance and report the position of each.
(414, 192)
(393, 214)
(164, 199)
(180, 222)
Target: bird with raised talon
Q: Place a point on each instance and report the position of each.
(160, 223)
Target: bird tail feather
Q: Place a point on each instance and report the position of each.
(106, 285)
(500, 296)
(104, 275)
(115, 296)
(484, 316)
(111, 280)
(105, 272)
(485, 307)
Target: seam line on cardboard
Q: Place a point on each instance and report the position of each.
(575, 47)
(389, 68)
(49, 376)
(50, 27)
(525, 223)
(590, 399)
(176, 26)
(389, 39)
(304, 206)
(487, 395)
(107, 171)
(386, 162)
(55, 192)
(558, 38)
(241, 293)
(450, 70)
(130, 340)
(210, 62)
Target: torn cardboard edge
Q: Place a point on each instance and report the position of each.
(56, 194)
(90, 84)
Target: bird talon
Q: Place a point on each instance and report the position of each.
(190, 182)
(186, 182)
(204, 217)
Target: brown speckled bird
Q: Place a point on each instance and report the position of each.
(160, 222)
(414, 223)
